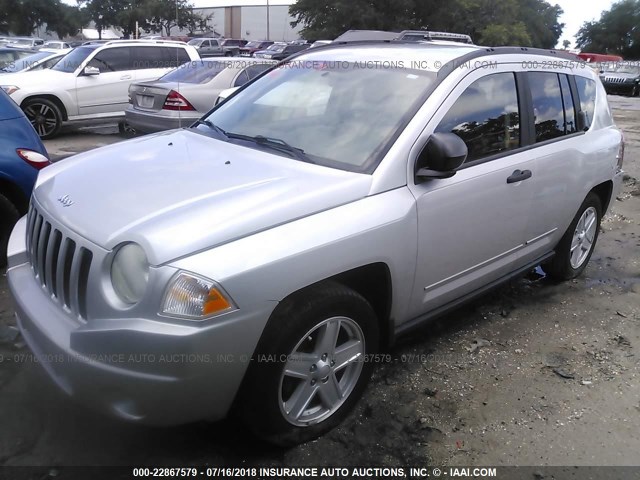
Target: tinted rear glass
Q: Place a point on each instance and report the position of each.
(587, 94)
(195, 72)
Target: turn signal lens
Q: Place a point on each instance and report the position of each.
(193, 297)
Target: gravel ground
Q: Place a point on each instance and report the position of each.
(537, 373)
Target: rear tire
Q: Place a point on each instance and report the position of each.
(309, 368)
(45, 117)
(9, 215)
(577, 245)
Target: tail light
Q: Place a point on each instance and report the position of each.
(35, 159)
(620, 156)
(175, 101)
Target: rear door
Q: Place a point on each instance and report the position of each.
(471, 227)
(153, 61)
(107, 92)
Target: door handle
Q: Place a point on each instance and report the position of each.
(125, 77)
(519, 175)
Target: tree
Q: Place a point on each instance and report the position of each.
(66, 21)
(566, 44)
(163, 15)
(104, 13)
(519, 22)
(616, 32)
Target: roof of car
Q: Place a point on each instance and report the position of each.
(428, 55)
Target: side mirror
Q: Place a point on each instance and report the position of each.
(91, 71)
(441, 156)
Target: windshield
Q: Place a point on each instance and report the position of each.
(22, 42)
(71, 61)
(277, 47)
(253, 44)
(195, 42)
(340, 115)
(195, 72)
(25, 62)
(628, 69)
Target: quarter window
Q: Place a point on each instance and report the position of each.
(486, 116)
(587, 94)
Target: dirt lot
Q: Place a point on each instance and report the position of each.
(538, 373)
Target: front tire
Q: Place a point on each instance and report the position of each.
(309, 368)
(9, 215)
(44, 115)
(577, 245)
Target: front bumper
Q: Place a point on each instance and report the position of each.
(153, 122)
(136, 369)
(619, 88)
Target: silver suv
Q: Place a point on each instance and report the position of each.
(265, 255)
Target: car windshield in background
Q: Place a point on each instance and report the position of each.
(253, 44)
(194, 42)
(277, 47)
(70, 62)
(22, 42)
(195, 72)
(339, 114)
(25, 62)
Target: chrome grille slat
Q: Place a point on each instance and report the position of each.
(60, 264)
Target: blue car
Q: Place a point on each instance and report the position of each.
(22, 154)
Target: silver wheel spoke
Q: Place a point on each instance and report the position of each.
(44, 110)
(330, 392)
(328, 337)
(347, 353)
(590, 224)
(299, 365)
(301, 397)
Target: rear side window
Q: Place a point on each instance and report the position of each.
(548, 109)
(486, 116)
(113, 60)
(241, 79)
(254, 70)
(175, 56)
(587, 94)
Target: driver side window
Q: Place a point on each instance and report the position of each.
(486, 116)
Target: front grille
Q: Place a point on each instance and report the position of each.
(59, 263)
(614, 80)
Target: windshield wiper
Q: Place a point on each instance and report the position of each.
(213, 127)
(275, 144)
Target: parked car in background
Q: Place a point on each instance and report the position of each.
(182, 96)
(22, 155)
(213, 47)
(8, 55)
(36, 61)
(280, 51)
(622, 79)
(252, 47)
(56, 45)
(232, 42)
(422, 35)
(282, 242)
(91, 83)
(25, 42)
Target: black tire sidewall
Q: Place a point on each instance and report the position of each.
(260, 396)
(54, 108)
(560, 267)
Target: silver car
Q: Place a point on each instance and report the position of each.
(266, 255)
(183, 95)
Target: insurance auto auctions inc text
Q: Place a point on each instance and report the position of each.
(339, 473)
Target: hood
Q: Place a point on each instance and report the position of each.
(45, 77)
(179, 192)
(625, 76)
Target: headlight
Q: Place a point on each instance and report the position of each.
(130, 273)
(9, 89)
(194, 297)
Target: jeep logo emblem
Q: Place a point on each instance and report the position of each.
(65, 201)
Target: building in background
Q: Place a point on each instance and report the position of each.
(247, 19)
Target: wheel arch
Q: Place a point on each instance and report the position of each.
(604, 191)
(53, 98)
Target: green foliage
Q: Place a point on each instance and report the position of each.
(508, 22)
(617, 31)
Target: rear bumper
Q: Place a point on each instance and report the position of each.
(147, 122)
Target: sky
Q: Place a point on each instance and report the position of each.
(576, 12)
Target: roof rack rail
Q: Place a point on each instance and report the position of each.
(145, 40)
